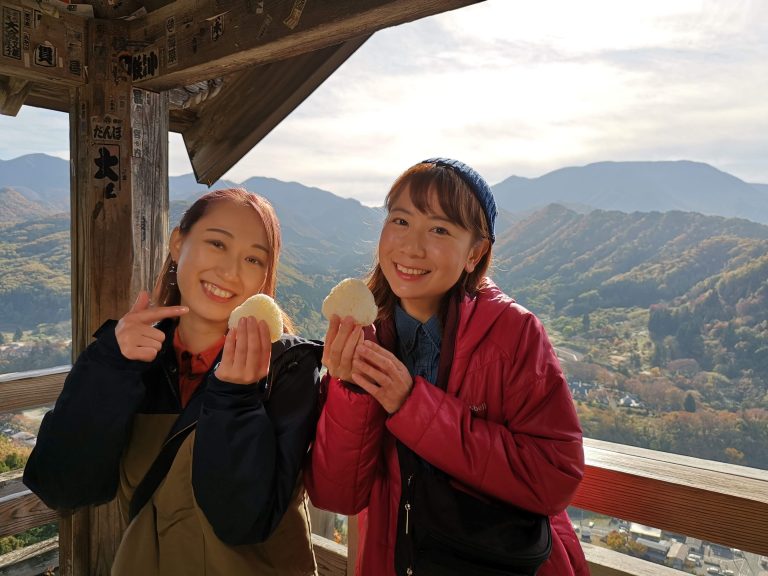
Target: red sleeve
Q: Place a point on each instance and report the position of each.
(344, 457)
(534, 459)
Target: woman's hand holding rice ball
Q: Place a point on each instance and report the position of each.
(253, 326)
(348, 355)
(349, 306)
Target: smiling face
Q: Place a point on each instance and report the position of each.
(423, 254)
(221, 261)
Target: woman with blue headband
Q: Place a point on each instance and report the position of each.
(449, 428)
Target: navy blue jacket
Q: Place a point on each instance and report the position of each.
(249, 444)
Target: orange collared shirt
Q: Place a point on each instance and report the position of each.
(193, 367)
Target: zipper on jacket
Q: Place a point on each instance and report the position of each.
(408, 507)
(409, 570)
(407, 510)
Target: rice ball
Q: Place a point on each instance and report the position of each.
(261, 307)
(351, 297)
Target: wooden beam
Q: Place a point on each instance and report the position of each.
(21, 510)
(41, 43)
(606, 562)
(251, 104)
(13, 92)
(353, 543)
(27, 390)
(49, 96)
(331, 557)
(31, 560)
(677, 493)
(191, 41)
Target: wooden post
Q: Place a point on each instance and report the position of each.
(322, 522)
(119, 187)
(352, 544)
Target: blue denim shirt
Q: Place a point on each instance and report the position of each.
(418, 344)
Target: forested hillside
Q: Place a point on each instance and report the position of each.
(660, 319)
(701, 282)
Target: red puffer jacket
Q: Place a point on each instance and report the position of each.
(506, 427)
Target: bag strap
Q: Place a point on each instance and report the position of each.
(185, 423)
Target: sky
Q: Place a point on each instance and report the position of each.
(513, 88)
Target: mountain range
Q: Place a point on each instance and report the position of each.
(625, 186)
(638, 187)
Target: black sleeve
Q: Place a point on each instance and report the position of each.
(248, 454)
(77, 456)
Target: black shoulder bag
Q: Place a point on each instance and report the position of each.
(444, 531)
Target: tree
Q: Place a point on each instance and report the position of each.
(689, 403)
(2, 339)
(18, 334)
(14, 461)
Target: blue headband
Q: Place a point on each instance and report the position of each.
(477, 184)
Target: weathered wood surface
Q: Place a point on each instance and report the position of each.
(196, 40)
(331, 557)
(32, 560)
(712, 501)
(353, 539)
(27, 390)
(323, 522)
(41, 44)
(22, 510)
(262, 96)
(13, 92)
(605, 562)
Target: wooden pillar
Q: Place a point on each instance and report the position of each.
(353, 544)
(119, 188)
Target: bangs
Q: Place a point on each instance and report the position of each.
(428, 184)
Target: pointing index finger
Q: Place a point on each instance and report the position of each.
(152, 315)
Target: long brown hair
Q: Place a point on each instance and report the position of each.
(166, 290)
(425, 183)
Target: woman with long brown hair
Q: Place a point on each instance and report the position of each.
(200, 430)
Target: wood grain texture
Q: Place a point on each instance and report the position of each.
(27, 390)
(251, 104)
(13, 93)
(61, 36)
(712, 501)
(322, 521)
(21, 511)
(213, 41)
(32, 560)
(331, 557)
(604, 562)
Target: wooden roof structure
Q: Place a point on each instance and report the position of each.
(223, 73)
(232, 69)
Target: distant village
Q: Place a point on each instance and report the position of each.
(676, 551)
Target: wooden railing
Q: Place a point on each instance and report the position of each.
(708, 500)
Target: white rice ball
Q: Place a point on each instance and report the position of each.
(261, 307)
(351, 297)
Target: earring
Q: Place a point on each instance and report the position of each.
(171, 274)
